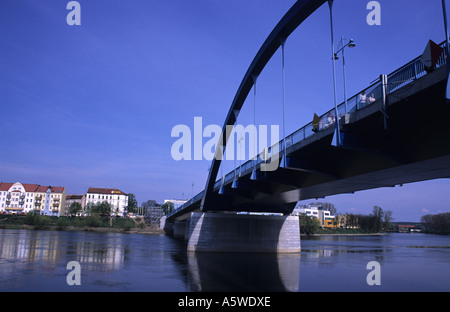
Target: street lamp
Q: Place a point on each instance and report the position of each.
(337, 134)
(350, 44)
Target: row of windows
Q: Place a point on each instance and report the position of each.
(30, 195)
(20, 205)
(24, 206)
(102, 196)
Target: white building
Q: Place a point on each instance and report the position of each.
(318, 212)
(176, 202)
(117, 199)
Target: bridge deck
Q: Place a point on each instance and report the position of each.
(383, 144)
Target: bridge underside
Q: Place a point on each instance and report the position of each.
(403, 144)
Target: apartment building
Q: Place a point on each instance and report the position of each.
(324, 216)
(117, 199)
(21, 198)
(75, 198)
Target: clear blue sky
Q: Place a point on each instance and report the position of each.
(94, 105)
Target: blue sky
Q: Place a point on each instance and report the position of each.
(94, 105)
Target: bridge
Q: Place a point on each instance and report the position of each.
(392, 132)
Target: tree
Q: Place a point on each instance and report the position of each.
(327, 206)
(103, 208)
(168, 207)
(377, 219)
(387, 220)
(74, 208)
(308, 224)
(132, 203)
(438, 223)
(351, 221)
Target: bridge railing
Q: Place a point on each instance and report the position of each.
(399, 78)
(412, 71)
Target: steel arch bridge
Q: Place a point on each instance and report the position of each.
(380, 144)
(299, 12)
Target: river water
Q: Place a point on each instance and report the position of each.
(37, 261)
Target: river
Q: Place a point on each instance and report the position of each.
(37, 261)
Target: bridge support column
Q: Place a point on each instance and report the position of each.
(222, 232)
(179, 229)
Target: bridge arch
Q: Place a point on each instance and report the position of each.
(299, 12)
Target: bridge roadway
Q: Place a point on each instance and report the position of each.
(386, 143)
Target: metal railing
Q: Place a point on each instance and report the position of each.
(412, 71)
(399, 78)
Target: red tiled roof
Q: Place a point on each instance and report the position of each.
(30, 187)
(74, 196)
(53, 189)
(5, 186)
(99, 190)
(406, 225)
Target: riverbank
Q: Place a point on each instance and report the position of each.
(90, 224)
(341, 232)
(146, 230)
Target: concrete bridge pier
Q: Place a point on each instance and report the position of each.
(225, 232)
(179, 228)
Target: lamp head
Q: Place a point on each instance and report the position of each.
(351, 44)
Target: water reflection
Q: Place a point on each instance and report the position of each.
(102, 253)
(243, 272)
(36, 261)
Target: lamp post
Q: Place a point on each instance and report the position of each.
(444, 11)
(337, 131)
(350, 44)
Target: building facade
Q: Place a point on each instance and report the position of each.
(75, 198)
(176, 202)
(117, 199)
(21, 198)
(324, 216)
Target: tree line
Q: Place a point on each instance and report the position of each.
(377, 222)
(104, 208)
(101, 208)
(437, 223)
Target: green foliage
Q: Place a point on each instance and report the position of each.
(168, 207)
(62, 223)
(74, 208)
(35, 219)
(376, 222)
(123, 223)
(438, 223)
(132, 203)
(308, 224)
(103, 208)
(93, 220)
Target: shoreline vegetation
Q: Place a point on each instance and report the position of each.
(342, 232)
(98, 223)
(94, 223)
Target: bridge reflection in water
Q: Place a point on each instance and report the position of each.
(243, 271)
